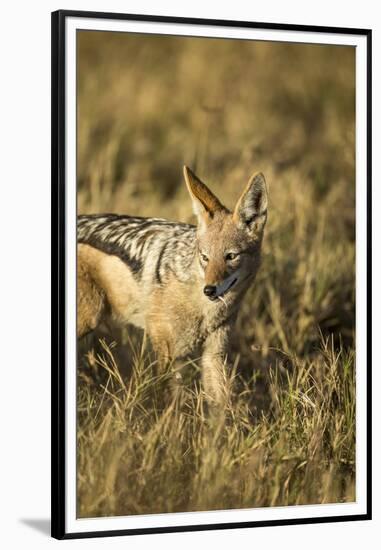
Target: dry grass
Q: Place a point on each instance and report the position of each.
(226, 109)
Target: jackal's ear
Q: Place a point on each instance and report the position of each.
(205, 204)
(251, 208)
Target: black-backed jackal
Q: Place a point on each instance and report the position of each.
(182, 284)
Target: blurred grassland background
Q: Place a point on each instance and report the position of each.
(146, 106)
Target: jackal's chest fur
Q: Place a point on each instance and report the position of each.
(182, 318)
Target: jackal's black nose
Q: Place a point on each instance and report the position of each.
(210, 290)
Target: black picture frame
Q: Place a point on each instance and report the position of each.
(58, 159)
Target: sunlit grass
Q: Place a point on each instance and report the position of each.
(140, 453)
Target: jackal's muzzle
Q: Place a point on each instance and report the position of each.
(217, 291)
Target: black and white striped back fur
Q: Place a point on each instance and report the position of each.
(147, 245)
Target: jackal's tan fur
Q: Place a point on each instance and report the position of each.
(183, 285)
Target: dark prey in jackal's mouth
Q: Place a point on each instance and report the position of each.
(181, 283)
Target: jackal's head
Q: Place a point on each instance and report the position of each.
(228, 242)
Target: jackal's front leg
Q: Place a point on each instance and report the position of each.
(214, 359)
(166, 364)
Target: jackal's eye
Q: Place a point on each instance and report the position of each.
(204, 257)
(231, 256)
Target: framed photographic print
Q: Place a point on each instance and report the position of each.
(211, 288)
